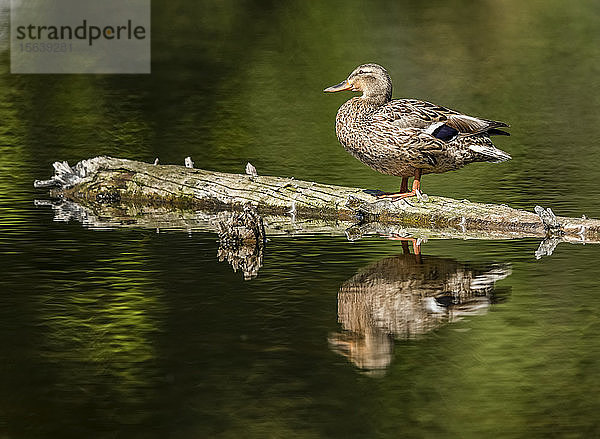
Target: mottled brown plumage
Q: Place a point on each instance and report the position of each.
(408, 137)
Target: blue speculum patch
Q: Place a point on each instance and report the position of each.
(444, 132)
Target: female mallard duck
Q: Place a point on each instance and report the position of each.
(408, 137)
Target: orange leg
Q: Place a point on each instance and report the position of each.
(404, 188)
(404, 185)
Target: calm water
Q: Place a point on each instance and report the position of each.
(133, 333)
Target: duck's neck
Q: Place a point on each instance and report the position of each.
(375, 100)
(379, 94)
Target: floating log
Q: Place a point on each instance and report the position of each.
(127, 187)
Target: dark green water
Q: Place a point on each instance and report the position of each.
(130, 333)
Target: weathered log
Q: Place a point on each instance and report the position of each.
(105, 182)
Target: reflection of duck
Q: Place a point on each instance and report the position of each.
(407, 137)
(406, 296)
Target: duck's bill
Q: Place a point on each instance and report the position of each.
(344, 85)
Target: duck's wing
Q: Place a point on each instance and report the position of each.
(440, 122)
(411, 145)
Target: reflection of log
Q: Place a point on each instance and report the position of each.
(242, 240)
(108, 180)
(404, 297)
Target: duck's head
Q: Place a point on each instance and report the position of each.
(372, 79)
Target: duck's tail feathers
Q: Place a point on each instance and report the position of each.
(497, 132)
(491, 153)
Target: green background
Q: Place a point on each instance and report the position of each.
(136, 334)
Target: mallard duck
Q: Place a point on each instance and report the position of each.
(408, 137)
